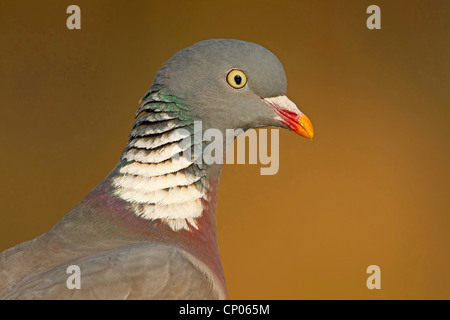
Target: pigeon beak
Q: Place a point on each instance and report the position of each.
(289, 115)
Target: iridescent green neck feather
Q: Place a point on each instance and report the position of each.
(159, 176)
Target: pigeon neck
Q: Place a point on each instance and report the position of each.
(159, 174)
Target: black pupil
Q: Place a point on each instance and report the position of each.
(237, 79)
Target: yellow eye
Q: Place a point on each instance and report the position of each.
(236, 78)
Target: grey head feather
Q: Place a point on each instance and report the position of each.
(196, 77)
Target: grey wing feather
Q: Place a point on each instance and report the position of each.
(137, 271)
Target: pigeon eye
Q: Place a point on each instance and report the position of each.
(236, 78)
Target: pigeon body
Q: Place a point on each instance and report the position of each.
(148, 230)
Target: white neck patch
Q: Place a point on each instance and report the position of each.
(158, 181)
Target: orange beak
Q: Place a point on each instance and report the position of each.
(288, 114)
(304, 127)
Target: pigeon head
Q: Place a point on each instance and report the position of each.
(231, 84)
(167, 171)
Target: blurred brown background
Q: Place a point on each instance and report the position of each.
(371, 188)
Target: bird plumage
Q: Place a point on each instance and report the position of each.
(148, 230)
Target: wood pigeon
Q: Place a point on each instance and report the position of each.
(148, 230)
